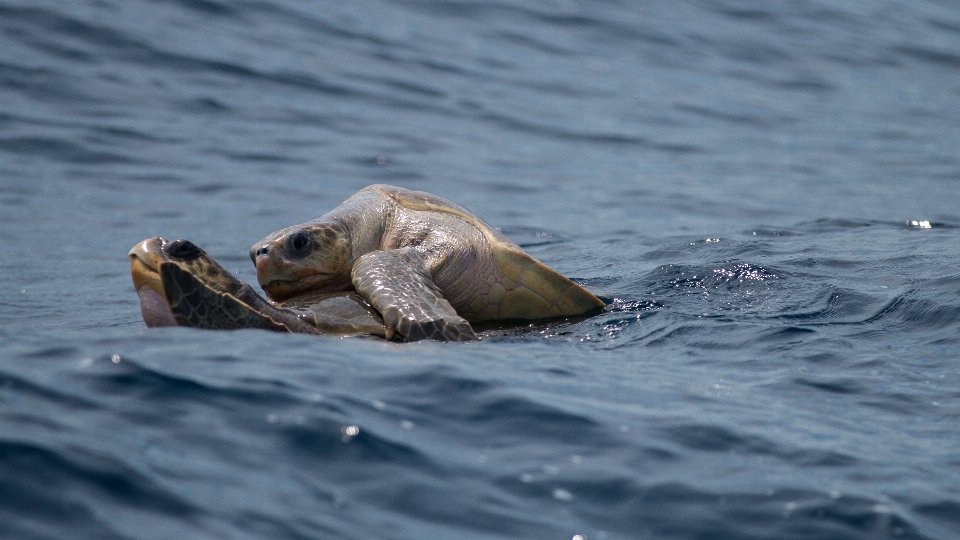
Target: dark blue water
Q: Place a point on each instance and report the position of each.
(767, 194)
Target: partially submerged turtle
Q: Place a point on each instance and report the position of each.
(180, 284)
(427, 265)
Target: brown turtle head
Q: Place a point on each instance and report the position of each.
(145, 260)
(315, 256)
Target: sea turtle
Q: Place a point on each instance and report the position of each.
(179, 283)
(428, 265)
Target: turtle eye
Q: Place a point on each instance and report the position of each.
(300, 244)
(183, 250)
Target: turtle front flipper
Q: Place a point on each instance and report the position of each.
(195, 304)
(397, 283)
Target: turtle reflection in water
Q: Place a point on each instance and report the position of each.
(427, 266)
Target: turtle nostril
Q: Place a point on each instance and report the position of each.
(263, 250)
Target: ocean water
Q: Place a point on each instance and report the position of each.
(767, 194)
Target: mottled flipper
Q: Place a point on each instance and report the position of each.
(197, 305)
(398, 285)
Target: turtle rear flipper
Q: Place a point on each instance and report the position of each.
(195, 304)
(398, 285)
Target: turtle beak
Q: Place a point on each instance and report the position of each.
(267, 256)
(266, 264)
(145, 259)
(262, 258)
(256, 251)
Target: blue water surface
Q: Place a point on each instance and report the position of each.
(766, 194)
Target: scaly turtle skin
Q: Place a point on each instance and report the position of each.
(180, 284)
(427, 265)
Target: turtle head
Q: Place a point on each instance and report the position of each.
(315, 256)
(147, 256)
(145, 260)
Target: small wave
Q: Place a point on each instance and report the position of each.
(829, 304)
(733, 286)
(327, 441)
(914, 311)
(89, 487)
(841, 386)
(42, 83)
(61, 150)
